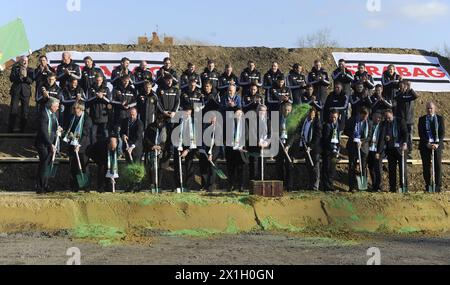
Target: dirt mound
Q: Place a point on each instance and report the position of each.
(238, 57)
(113, 216)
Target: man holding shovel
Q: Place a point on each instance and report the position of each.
(432, 133)
(78, 138)
(394, 142)
(358, 130)
(47, 143)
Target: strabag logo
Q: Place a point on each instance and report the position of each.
(425, 72)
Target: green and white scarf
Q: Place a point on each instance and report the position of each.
(74, 137)
(113, 165)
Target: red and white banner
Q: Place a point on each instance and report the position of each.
(425, 72)
(107, 61)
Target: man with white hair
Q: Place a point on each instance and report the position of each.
(21, 78)
(67, 70)
(46, 142)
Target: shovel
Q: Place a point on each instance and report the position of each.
(156, 190)
(129, 152)
(308, 153)
(404, 188)
(113, 182)
(181, 190)
(432, 187)
(262, 164)
(287, 154)
(82, 178)
(362, 180)
(52, 169)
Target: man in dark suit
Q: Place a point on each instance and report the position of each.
(331, 147)
(358, 129)
(132, 133)
(21, 79)
(394, 139)
(105, 154)
(309, 137)
(376, 152)
(45, 142)
(432, 134)
(78, 136)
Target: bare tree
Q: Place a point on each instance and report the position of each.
(319, 39)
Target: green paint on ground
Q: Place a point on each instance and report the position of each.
(104, 235)
(271, 224)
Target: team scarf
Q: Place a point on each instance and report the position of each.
(336, 136)
(237, 133)
(284, 133)
(432, 138)
(78, 129)
(310, 132)
(113, 165)
(51, 116)
(373, 147)
(190, 124)
(361, 127)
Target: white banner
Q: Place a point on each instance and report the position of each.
(425, 72)
(107, 61)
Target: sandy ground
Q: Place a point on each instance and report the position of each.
(246, 249)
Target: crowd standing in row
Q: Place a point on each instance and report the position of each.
(77, 107)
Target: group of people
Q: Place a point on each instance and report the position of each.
(77, 108)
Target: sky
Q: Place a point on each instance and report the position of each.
(281, 23)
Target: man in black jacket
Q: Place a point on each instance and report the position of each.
(156, 144)
(165, 70)
(394, 142)
(318, 78)
(432, 134)
(98, 102)
(192, 95)
(363, 76)
(405, 98)
(122, 71)
(279, 95)
(296, 81)
(77, 136)
(21, 78)
(132, 131)
(88, 75)
(142, 75)
(309, 137)
(376, 152)
(42, 71)
(46, 142)
(211, 74)
(147, 104)
(344, 76)
(105, 153)
(379, 103)
(331, 147)
(249, 76)
(271, 77)
(67, 70)
(227, 79)
(72, 94)
(338, 100)
(391, 82)
(188, 75)
(358, 130)
(123, 98)
(49, 90)
(359, 99)
(283, 163)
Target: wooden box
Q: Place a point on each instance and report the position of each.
(272, 188)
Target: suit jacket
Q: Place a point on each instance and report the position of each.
(43, 137)
(327, 133)
(423, 145)
(402, 135)
(316, 136)
(98, 152)
(350, 132)
(134, 133)
(85, 139)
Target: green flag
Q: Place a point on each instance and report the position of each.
(13, 41)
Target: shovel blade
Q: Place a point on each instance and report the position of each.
(362, 183)
(83, 181)
(431, 189)
(51, 170)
